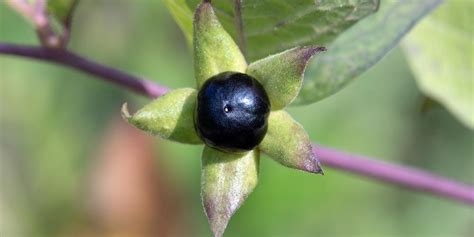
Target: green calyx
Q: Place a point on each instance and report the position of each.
(214, 49)
(282, 74)
(170, 116)
(288, 143)
(228, 178)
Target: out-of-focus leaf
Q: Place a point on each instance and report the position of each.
(214, 49)
(288, 143)
(275, 25)
(183, 15)
(360, 47)
(271, 26)
(61, 9)
(170, 116)
(227, 179)
(429, 104)
(282, 74)
(441, 52)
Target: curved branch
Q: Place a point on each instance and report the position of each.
(403, 176)
(37, 16)
(72, 60)
(395, 174)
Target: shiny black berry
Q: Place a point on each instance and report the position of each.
(232, 112)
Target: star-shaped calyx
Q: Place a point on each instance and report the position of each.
(230, 175)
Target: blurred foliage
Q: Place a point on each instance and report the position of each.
(61, 9)
(360, 47)
(441, 53)
(271, 26)
(52, 118)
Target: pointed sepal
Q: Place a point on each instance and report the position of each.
(288, 143)
(282, 74)
(171, 116)
(227, 179)
(214, 49)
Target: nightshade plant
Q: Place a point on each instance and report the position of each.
(352, 49)
(230, 168)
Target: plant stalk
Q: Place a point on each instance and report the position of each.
(411, 178)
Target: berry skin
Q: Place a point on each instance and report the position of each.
(232, 112)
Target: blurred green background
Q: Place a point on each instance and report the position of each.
(55, 123)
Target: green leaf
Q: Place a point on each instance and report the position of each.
(272, 26)
(227, 180)
(441, 52)
(214, 49)
(171, 116)
(183, 15)
(275, 25)
(288, 143)
(360, 47)
(61, 9)
(282, 74)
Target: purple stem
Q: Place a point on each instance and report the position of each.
(399, 175)
(403, 176)
(72, 60)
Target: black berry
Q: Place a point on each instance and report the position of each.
(232, 112)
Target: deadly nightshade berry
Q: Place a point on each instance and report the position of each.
(229, 113)
(232, 112)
